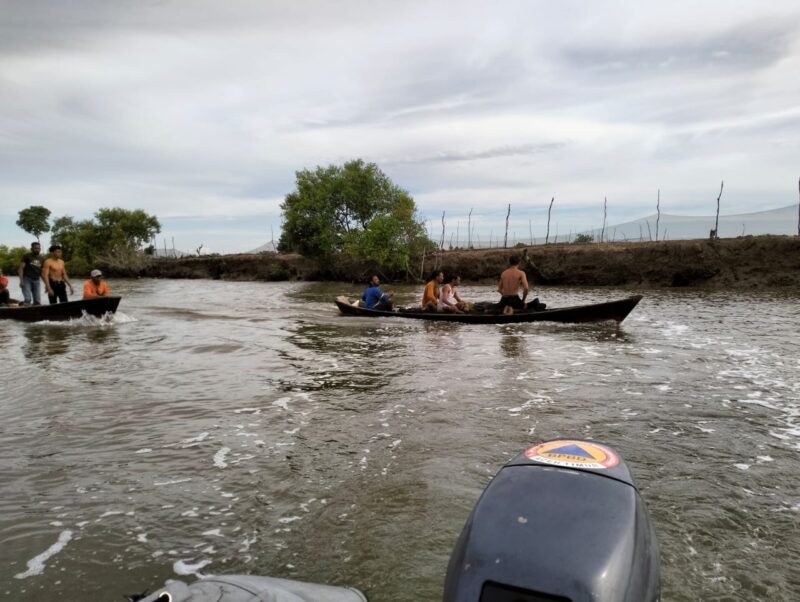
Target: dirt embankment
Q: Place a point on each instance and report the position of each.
(746, 262)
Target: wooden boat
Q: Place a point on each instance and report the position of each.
(596, 312)
(61, 311)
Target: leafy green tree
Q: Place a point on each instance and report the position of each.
(121, 228)
(114, 239)
(354, 209)
(10, 258)
(582, 239)
(34, 220)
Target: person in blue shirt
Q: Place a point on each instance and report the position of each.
(375, 298)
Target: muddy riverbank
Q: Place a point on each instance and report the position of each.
(742, 263)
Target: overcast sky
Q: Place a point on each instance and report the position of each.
(201, 112)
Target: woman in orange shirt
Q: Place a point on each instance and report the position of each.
(95, 287)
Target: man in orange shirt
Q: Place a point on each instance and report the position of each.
(95, 287)
(430, 298)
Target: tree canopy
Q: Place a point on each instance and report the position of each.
(355, 210)
(34, 220)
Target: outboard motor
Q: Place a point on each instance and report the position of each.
(561, 522)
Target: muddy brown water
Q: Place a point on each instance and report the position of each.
(217, 427)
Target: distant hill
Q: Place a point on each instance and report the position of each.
(265, 248)
(676, 227)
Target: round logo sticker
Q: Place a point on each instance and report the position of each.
(573, 454)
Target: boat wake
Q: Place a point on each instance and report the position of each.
(107, 320)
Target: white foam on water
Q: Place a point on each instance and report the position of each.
(184, 568)
(144, 450)
(142, 538)
(283, 403)
(764, 459)
(671, 329)
(742, 466)
(194, 440)
(172, 482)
(247, 542)
(219, 458)
(213, 533)
(254, 411)
(292, 432)
(36, 564)
(111, 513)
(289, 519)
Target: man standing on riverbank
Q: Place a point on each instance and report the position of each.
(30, 273)
(95, 287)
(54, 274)
(510, 281)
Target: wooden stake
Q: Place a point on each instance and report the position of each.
(605, 206)
(547, 236)
(505, 239)
(441, 243)
(469, 229)
(658, 212)
(716, 223)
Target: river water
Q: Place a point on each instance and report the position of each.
(220, 427)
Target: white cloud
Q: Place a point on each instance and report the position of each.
(207, 109)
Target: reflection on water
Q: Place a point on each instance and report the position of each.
(512, 344)
(271, 435)
(44, 343)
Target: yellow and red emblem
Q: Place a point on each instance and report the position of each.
(573, 454)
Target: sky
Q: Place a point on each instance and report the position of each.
(201, 112)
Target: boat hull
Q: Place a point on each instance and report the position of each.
(61, 311)
(615, 311)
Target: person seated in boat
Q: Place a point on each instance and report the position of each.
(54, 274)
(430, 296)
(510, 281)
(5, 297)
(95, 287)
(448, 296)
(375, 298)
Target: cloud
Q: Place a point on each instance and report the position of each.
(198, 109)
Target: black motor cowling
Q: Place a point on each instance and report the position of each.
(561, 522)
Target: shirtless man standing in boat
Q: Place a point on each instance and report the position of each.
(510, 281)
(54, 274)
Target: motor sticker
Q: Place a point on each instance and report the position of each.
(573, 454)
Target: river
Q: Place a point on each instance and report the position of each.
(224, 427)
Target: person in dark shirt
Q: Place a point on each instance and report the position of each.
(375, 298)
(30, 275)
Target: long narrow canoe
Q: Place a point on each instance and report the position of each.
(61, 311)
(596, 312)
